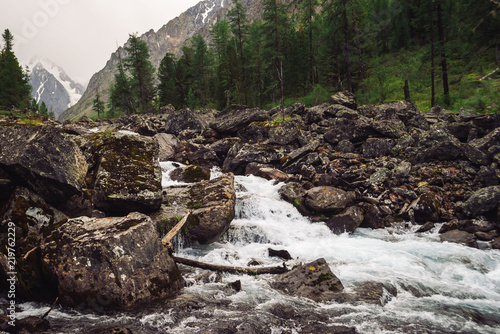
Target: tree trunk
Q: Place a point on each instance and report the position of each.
(444, 65)
(347, 47)
(360, 51)
(232, 270)
(406, 89)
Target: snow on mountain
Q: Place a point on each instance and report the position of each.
(52, 85)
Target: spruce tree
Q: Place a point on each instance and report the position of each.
(142, 72)
(98, 105)
(15, 90)
(120, 93)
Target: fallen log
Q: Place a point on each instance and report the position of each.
(232, 270)
(173, 232)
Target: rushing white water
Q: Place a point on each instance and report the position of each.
(441, 287)
(445, 286)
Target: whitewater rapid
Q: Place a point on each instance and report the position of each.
(441, 287)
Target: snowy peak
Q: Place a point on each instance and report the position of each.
(52, 85)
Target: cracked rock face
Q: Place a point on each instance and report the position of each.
(128, 176)
(110, 262)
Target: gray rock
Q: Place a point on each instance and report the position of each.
(239, 156)
(168, 144)
(190, 174)
(347, 221)
(328, 199)
(128, 177)
(109, 263)
(376, 147)
(231, 122)
(482, 201)
(459, 237)
(346, 99)
(44, 159)
(185, 119)
(314, 280)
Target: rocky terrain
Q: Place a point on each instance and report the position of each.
(349, 166)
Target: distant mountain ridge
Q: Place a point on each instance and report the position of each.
(170, 38)
(52, 85)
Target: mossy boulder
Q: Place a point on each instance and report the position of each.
(127, 176)
(109, 263)
(482, 201)
(328, 200)
(314, 280)
(190, 174)
(44, 159)
(212, 205)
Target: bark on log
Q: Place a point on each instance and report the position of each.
(233, 270)
(173, 232)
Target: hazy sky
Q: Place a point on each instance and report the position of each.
(80, 35)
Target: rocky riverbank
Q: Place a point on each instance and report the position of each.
(348, 166)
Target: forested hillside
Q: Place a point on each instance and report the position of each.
(446, 51)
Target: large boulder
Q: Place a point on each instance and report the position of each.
(168, 145)
(212, 206)
(128, 176)
(346, 99)
(44, 159)
(239, 156)
(347, 221)
(232, 121)
(109, 263)
(31, 217)
(314, 280)
(482, 201)
(185, 119)
(328, 200)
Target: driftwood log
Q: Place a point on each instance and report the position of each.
(233, 270)
(173, 232)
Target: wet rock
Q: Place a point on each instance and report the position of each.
(184, 119)
(231, 122)
(208, 277)
(459, 237)
(426, 227)
(486, 236)
(374, 218)
(347, 221)
(213, 209)
(294, 192)
(128, 176)
(33, 217)
(346, 99)
(241, 155)
(301, 152)
(266, 172)
(190, 174)
(314, 280)
(328, 199)
(369, 292)
(495, 244)
(222, 147)
(168, 144)
(279, 253)
(427, 208)
(482, 201)
(45, 160)
(109, 263)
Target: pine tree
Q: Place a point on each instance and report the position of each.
(98, 105)
(142, 72)
(170, 88)
(15, 90)
(44, 111)
(120, 94)
(238, 20)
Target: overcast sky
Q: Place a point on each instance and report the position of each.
(80, 35)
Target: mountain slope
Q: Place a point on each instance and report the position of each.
(170, 38)
(53, 86)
